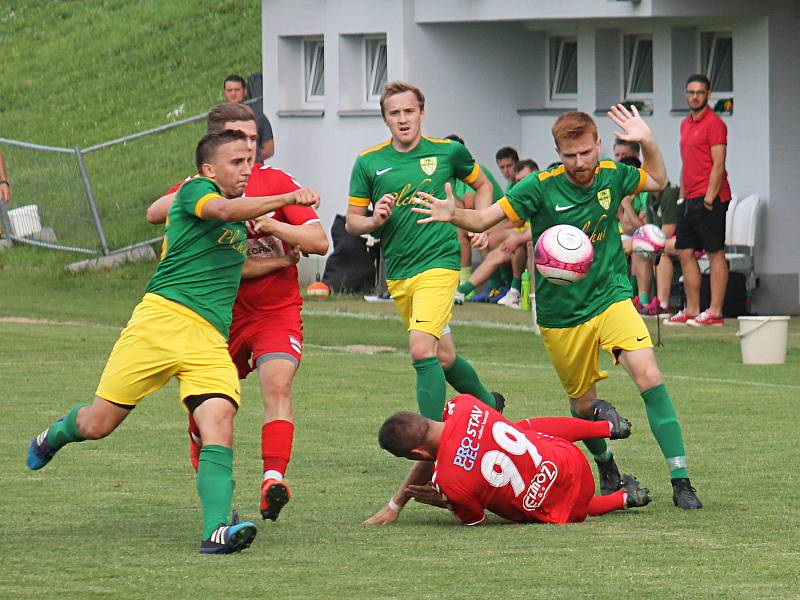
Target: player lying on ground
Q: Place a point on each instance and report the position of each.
(478, 460)
(179, 329)
(266, 330)
(597, 312)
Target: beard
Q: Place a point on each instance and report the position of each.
(703, 104)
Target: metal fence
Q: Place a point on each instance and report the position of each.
(92, 200)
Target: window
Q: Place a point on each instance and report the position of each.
(563, 68)
(375, 55)
(638, 67)
(717, 60)
(314, 61)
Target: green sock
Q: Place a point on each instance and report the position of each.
(465, 288)
(644, 299)
(215, 486)
(465, 380)
(597, 446)
(666, 429)
(65, 430)
(516, 283)
(506, 273)
(496, 280)
(464, 274)
(431, 387)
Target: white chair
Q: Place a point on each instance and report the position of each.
(740, 246)
(729, 216)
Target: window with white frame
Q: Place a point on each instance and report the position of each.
(563, 68)
(716, 48)
(638, 63)
(375, 67)
(314, 66)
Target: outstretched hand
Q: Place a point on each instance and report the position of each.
(384, 516)
(634, 129)
(437, 210)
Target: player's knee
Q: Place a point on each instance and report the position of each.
(446, 358)
(649, 377)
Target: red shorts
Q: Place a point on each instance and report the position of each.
(273, 335)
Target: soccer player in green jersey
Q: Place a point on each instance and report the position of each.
(596, 312)
(422, 264)
(180, 329)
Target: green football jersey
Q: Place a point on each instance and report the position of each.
(548, 199)
(409, 248)
(201, 260)
(460, 188)
(662, 207)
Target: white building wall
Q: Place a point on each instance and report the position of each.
(485, 79)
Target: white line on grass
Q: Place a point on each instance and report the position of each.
(484, 324)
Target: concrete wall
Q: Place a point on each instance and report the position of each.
(483, 68)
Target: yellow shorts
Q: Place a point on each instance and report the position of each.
(165, 339)
(425, 301)
(574, 350)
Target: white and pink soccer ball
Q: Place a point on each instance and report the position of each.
(648, 240)
(563, 254)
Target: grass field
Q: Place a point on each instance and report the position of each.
(119, 517)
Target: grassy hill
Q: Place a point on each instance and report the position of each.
(81, 73)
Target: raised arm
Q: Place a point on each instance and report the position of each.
(359, 223)
(445, 211)
(239, 209)
(634, 129)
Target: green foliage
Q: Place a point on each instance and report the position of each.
(119, 517)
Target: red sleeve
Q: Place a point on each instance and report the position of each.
(462, 504)
(299, 215)
(718, 133)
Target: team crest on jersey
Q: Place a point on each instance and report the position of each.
(428, 164)
(604, 198)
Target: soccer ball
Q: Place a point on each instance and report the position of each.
(318, 289)
(563, 254)
(648, 240)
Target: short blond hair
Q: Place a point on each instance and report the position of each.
(398, 87)
(572, 125)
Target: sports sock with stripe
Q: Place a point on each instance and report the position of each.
(65, 430)
(431, 387)
(215, 486)
(666, 429)
(465, 380)
(465, 288)
(597, 446)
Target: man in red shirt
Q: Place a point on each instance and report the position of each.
(266, 331)
(701, 215)
(524, 472)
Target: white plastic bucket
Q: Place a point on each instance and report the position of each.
(25, 220)
(763, 340)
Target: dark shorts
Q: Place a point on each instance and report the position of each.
(699, 228)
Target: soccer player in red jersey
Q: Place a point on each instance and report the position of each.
(266, 331)
(524, 472)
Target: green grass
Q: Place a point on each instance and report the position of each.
(120, 517)
(131, 65)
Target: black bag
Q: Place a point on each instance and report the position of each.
(351, 266)
(735, 303)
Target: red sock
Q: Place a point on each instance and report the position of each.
(600, 505)
(194, 445)
(276, 445)
(567, 428)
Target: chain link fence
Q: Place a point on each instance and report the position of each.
(92, 200)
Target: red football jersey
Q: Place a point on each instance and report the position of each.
(485, 461)
(280, 288)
